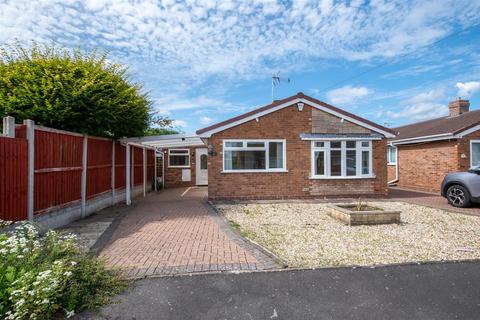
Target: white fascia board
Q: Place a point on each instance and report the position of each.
(436, 137)
(208, 134)
(342, 139)
(468, 131)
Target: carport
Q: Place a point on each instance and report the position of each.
(182, 159)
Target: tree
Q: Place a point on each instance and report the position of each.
(161, 126)
(71, 90)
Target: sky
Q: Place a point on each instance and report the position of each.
(393, 62)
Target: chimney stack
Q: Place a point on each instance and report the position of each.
(458, 107)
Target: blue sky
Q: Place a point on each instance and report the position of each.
(392, 62)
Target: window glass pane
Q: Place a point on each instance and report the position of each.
(335, 144)
(475, 154)
(319, 163)
(351, 162)
(365, 144)
(365, 162)
(320, 144)
(391, 154)
(275, 153)
(351, 144)
(203, 162)
(255, 144)
(335, 162)
(233, 144)
(179, 160)
(244, 160)
(175, 151)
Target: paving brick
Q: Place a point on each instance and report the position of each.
(166, 234)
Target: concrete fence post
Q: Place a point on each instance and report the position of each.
(84, 176)
(30, 133)
(144, 171)
(132, 179)
(155, 170)
(9, 127)
(128, 197)
(113, 172)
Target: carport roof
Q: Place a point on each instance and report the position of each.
(169, 141)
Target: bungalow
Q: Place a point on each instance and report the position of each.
(423, 153)
(298, 147)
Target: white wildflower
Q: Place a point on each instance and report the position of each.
(70, 313)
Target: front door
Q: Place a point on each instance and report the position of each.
(202, 167)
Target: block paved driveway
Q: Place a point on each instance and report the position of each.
(175, 232)
(429, 200)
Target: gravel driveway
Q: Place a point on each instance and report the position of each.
(305, 236)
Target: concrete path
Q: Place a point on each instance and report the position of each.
(176, 232)
(429, 200)
(434, 291)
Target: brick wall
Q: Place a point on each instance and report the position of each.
(423, 166)
(391, 172)
(464, 150)
(173, 176)
(287, 123)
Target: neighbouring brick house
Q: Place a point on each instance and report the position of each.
(424, 152)
(297, 147)
(182, 159)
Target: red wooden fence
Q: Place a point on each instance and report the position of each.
(58, 170)
(137, 162)
(99, 166)
(13, 175)
(120, 164)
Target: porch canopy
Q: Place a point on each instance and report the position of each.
(168, 141)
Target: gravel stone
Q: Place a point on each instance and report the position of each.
(305, 236)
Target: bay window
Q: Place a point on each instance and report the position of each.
(341, 159)
(254, 155)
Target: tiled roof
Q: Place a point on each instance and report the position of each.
(443, 125)
(279, 102)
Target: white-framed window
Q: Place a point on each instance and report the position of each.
(391, 155)
(179, 158)
(474, 153)
(341, 159)
(254, 155)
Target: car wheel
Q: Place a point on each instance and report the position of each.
(458, 196)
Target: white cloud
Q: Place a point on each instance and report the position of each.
(467, 89)
(179, 123)
(347, 95)
(423, 106)
(205, 120)
(190, 41)
(419, 112)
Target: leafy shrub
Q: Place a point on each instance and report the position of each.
(43, 275)
(71, 90)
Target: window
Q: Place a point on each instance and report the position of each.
(254, 155)
(179, 158)
(392, 155)
(342, 159)
(474, 153)
(203, 162)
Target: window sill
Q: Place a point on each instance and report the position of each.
(342, 177)
(391, 164)
(179, 167)
(254, 171)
